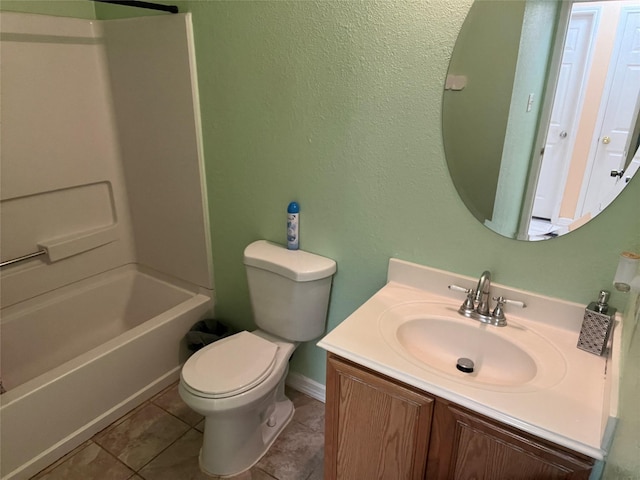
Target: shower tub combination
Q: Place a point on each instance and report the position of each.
(77, 358)
(109, 192)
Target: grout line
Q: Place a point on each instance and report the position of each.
(165, 449)
(265, 473)
(116, 458)
(176, 416)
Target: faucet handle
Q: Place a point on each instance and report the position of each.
(467, 306)
(457, 288)
(498, 311)
(516, 303)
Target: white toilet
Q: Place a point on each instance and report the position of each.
(237, 383)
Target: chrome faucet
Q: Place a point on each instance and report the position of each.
(477, 305)
(481, 297)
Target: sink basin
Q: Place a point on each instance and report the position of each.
(434, 336)
(439, 343)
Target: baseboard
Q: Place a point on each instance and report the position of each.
(307, 386)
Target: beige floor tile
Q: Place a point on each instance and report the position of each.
(296, 453)
(256, 474)
(200, 426)
(309, 411)
(160, 446)
(142, 436)
(180, 461)
(89, 463)
(253, 474)
(318, 473)
(170, 400)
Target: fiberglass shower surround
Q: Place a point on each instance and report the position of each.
(89, 179)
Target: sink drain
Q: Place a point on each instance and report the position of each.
(465, 365)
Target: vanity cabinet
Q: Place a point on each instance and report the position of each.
(375, 427)
(379, 428)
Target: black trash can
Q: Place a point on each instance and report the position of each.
(207, 331)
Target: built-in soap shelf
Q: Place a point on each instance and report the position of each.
(67, 246)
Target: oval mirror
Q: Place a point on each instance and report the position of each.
(540, 112)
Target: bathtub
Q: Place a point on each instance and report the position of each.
(75, 359)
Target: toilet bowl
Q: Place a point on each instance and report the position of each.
(237, 383)
(245, 408)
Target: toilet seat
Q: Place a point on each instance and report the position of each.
(230, 366)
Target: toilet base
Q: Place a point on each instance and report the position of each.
(244, 443)
(238, 430)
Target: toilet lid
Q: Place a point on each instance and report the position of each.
(230, 366)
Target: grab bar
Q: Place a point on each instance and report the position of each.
(23, 258)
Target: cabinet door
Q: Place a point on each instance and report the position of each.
(376, 428)
(465, 445)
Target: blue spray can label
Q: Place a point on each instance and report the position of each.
(293, 226)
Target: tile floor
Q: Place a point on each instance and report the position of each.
(160, 440)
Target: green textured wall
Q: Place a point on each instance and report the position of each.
(59, 8)
(337, 105)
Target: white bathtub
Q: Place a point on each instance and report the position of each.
(76, 359)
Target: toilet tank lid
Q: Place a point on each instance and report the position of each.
(297, 265)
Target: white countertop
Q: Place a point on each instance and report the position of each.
(574, 412)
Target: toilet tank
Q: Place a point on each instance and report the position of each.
(289, 290)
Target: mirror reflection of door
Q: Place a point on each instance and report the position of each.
(602, 37)
(568, 100)
(618, 117)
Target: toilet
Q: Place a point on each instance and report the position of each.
(237, 383)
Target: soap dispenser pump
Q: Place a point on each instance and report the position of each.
(596, 325)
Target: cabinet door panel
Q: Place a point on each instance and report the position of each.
(469, 446)
(375, 428)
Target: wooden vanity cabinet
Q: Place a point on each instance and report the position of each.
(375, 427)
(379, 428)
